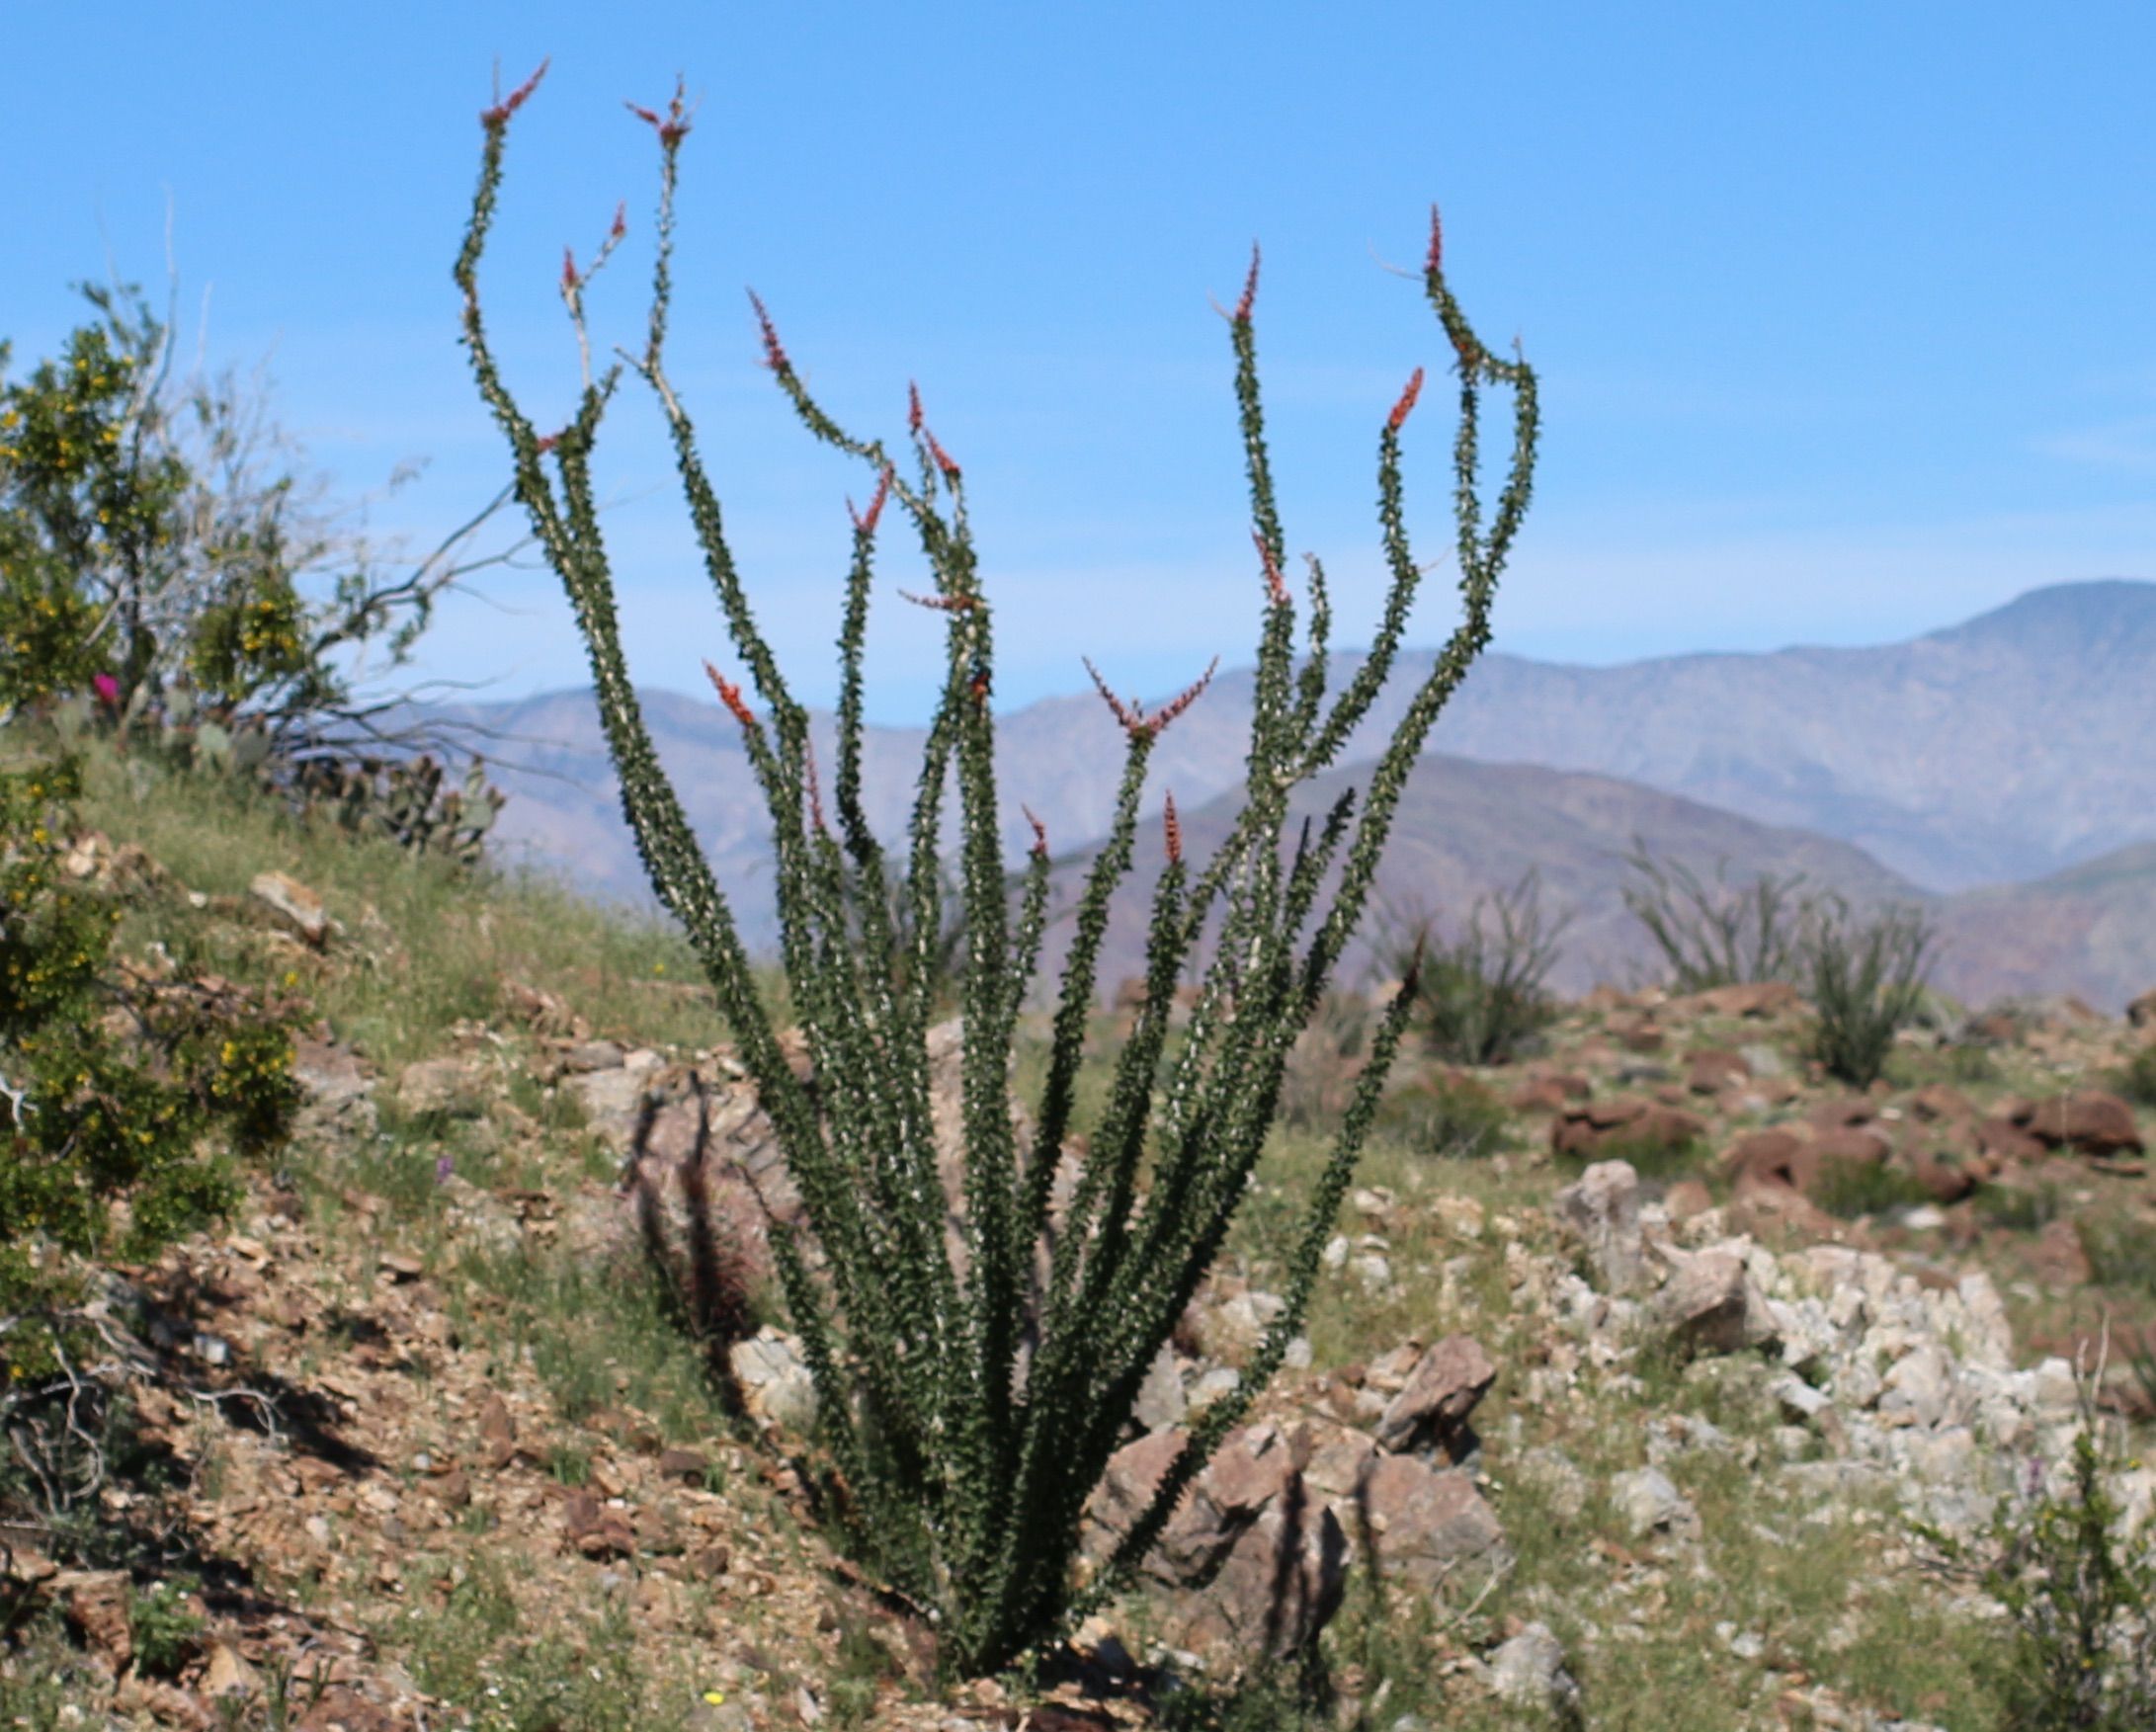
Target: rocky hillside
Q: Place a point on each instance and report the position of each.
(1633, 1366)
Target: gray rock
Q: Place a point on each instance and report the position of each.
(1528, 1671)
(456, 1088)
(775, 1383)
(295, 906)
(1601, 1212)
(1650, 1503)
(1710, 1304)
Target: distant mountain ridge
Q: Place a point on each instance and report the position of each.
(2006, 750)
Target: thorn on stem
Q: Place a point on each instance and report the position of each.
(1133, 719)
(1190, 694)
(941, 604)
(775, 355)
(865, 522)
(1276, 587)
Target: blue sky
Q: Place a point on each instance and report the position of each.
(1846, 313)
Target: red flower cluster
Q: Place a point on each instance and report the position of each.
(1406, 405)
(1133, 719)
(497, 117)
(730, 696)
(1040, 831)
(1173, 828)
(1250, 288)
(775, 355)
(674, 127)
(865, 522)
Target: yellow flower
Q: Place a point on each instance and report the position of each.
(714, 1696)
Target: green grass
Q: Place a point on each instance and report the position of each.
(434, 943)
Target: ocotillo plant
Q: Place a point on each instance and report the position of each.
(972, 1400)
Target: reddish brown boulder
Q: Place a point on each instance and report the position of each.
(1940, 1102)
(2088, 1120)
(1840, 1114)
(1945, 1178)
(2142, 1011)
(1640, 1037)
(1685, 1200)
(2004, 1140)
(1713, 1068)
(1442, 1391)
(1428, 1526)
(1851, 1147)
(1543, 1094)
(1631, 1125)
(2060, 1259)
(1769, 1157)
(97, 1604)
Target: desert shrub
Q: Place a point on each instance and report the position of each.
(2079, 1595)
(2120, 1249)
(165, 1625)
(1865, 983)
(969, 1410)
(1445, 1115)
(1480, 999)
(1850, 1189)
(1326, 1062)
(171, 575)
(2137, 1078)
(115, 1089)
(2020, 1208)
(1718, 934)
(160, 532)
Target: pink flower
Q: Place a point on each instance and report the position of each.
(108, 689)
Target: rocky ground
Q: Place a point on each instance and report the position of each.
(1638, 1365)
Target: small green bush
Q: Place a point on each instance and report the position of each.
(1865, 984)
(1718, 935)
(2021, 1209)
(166, 1626)
(2122, 1251)
(1481, 998)
(1445, 1115)
(2137, 1078)
(2079, 1654)
(1848, 1189)
(116, 1090)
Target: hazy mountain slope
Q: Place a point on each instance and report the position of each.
(1463, 828)
(2089, 929)
(1998, 750)
(2004, 749)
